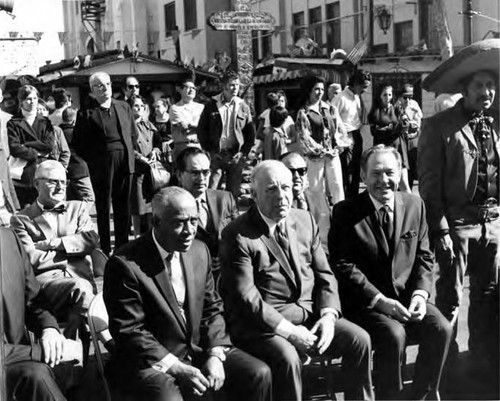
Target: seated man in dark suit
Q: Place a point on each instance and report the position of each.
(215, 208)
(167, 319)
(379, 249)
(28, 366)
(280, 293)
(58, 236)
(306, 199)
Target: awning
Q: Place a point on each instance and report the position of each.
(329, 76)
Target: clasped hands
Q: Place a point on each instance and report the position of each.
(395, 309)
(211, 376)
(317, 339)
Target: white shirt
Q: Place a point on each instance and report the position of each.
(188, 113)
(348, 105)
(227, 111)
(51, 218)
(285, 328)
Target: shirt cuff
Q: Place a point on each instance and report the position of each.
(374, 300)
(284, 328)
(333, 311)
(166, 363)
(424, 294)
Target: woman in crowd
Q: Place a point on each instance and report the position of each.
(161, 121)
(386, 129)
(320, 130)
(149, 143)
(31, 140)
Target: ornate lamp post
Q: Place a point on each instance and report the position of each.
(384, 18)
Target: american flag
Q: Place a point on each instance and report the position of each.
(357, 52)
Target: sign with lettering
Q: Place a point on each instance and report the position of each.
(242, 20)
(19, 56)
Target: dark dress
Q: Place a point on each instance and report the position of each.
(385, 130)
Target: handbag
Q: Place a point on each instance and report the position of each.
(155, 178)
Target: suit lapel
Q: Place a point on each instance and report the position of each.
(42, 222)
(469, 134)
(273, 246)
(191, 290)
(213, 210)
(399, 213)
(161, 278)
(118, 114)
(28, 128)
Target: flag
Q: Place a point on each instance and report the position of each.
(63, 37)
(357, 52)
(38, 35)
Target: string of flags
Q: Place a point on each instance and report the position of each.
(64, 37)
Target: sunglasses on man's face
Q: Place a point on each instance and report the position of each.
(302, 171)
(132, 86)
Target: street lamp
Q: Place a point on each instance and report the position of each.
(384, 18)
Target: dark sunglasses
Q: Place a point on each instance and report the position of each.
(132, 86)
(302, 171)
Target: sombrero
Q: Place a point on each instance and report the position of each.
(447, 78)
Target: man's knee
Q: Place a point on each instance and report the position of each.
(82, 294)
(392, 337)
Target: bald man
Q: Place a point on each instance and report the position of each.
(58, 236)
(167, 318)
(105, 136)
(280, 294)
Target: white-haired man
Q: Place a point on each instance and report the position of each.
(105, 135)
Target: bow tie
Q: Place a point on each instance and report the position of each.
(57, 209)
(481, 126)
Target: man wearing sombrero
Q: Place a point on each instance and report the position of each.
(459, 170)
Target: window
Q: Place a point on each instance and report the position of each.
(265, 40)
(299, 22)
(255, 46)
(170, 23)
(316, 27)
(333, 27)
(426, 23)
(403, 35)
(190, 14)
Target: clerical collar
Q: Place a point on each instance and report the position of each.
(164, 254)
(379, 205)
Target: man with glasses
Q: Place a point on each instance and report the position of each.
(306, 199)
(184, 117)
(131, 88)
(215, 208)
(105, 136)
(58, 236)
(227, 132)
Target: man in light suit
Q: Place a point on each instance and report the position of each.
(28, 366)
(379, 249)
(57, 236)
(215, 208)
(167, 319)
(306, 199)
(280, 293)
(105, 136)
(227, 132)
(459, 171)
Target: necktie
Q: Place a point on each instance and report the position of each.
(281, 238)
(202, 213)
(386, 222)
(301, 202)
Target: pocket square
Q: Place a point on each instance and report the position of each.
(409, 234)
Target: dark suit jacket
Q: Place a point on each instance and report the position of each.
(21, 301)
(261, 286)
(27, 141)
(221, 210)
(318, 206)
(363, 260)
(89, 137)
(144, 317)
(210, 127)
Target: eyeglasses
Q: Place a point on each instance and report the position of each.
(198, 173)
(302, 171)
(132, 86)
(54, 183)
